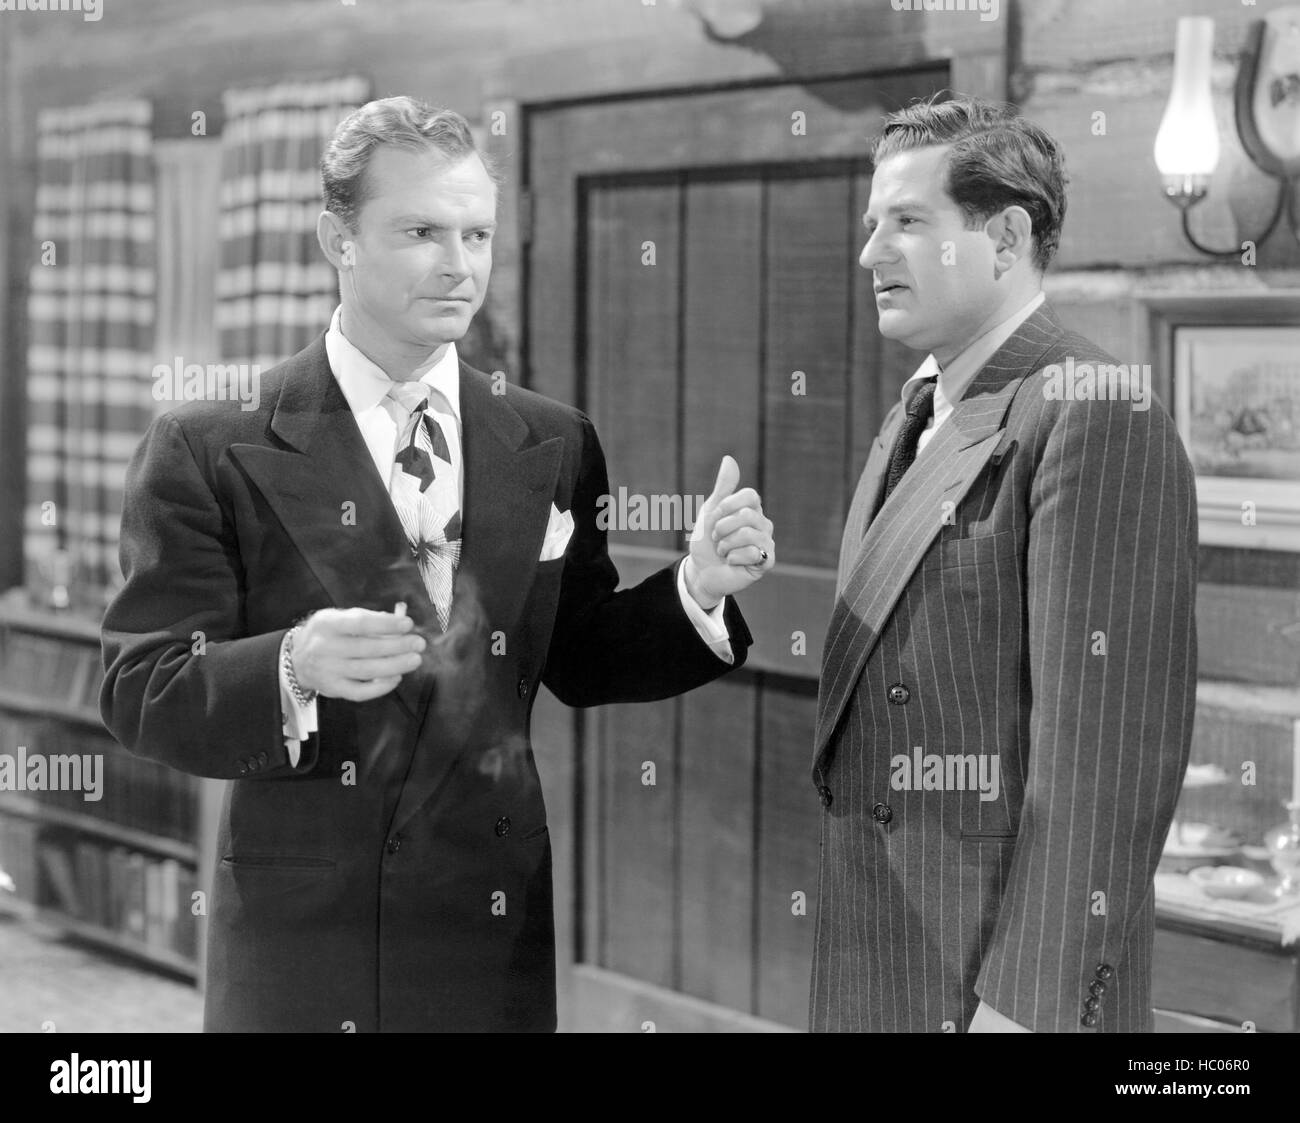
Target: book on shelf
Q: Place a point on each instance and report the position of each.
(93, 679)
(153, 918)
(169, 907)
(115, 885)
(60, 888)
(187, 924)
(85, 864)
(133, 901)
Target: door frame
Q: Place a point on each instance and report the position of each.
(589, 996)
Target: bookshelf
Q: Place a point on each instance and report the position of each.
(100, 845)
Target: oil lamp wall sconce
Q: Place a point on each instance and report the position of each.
(1266, 107)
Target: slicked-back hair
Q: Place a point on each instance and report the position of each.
(402, 122)
(996, 159)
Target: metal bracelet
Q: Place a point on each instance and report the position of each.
(303, 697)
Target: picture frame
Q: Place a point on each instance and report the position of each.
(1230, 364)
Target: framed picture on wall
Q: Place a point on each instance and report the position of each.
(1234, 368)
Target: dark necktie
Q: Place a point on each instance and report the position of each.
(919, 409)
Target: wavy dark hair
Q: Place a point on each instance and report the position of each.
(997, 159)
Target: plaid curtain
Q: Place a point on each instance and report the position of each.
(275, 290)
(187, 192)
(90, 310)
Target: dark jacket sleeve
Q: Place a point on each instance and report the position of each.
(633, 645)
(183, 684)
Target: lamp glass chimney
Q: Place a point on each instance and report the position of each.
(1187, 143)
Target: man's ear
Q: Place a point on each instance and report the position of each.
(1012, 231)
(336, 240)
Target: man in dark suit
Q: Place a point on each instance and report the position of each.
(344, 601)
(1009, 675)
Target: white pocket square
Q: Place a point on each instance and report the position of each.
(559, 529)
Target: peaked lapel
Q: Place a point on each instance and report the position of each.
(508, 494)
(867, 494)
(875, 569)
(333, 504)
(509, 487)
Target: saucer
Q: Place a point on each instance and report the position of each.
(1231, 882)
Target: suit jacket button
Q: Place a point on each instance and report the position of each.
(243, 767)
(1097, 989)
(522, 688)
(1088, 1021)
(1091, 1005)
(1105, 971)
(254, 764)
(824, 794)
(882, 813)
(503, 826)
(394, 844)
(899, 694)
(262, 758)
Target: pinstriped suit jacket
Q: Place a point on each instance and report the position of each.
(1026, 593)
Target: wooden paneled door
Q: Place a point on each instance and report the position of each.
(692, 284)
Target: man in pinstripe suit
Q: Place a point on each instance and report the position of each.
(1009, 675)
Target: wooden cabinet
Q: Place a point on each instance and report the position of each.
(1220, 976)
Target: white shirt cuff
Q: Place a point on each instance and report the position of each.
(710, 626)
(298, 722)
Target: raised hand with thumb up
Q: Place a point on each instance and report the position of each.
(731, 544)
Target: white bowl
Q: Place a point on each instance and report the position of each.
(1232, 882)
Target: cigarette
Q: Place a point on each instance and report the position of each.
(399, 609)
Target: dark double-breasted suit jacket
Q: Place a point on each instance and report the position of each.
(399, 878)
(1027, 595)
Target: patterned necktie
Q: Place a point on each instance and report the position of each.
(423, 488)
(919, 408)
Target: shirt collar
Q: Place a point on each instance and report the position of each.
(365, 385)
(956, 377)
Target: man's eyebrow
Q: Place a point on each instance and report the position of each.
(409, 220)
(905, 206)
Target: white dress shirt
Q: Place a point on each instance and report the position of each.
(381, 421)
(956, 377)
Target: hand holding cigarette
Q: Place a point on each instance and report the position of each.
(356, 653)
